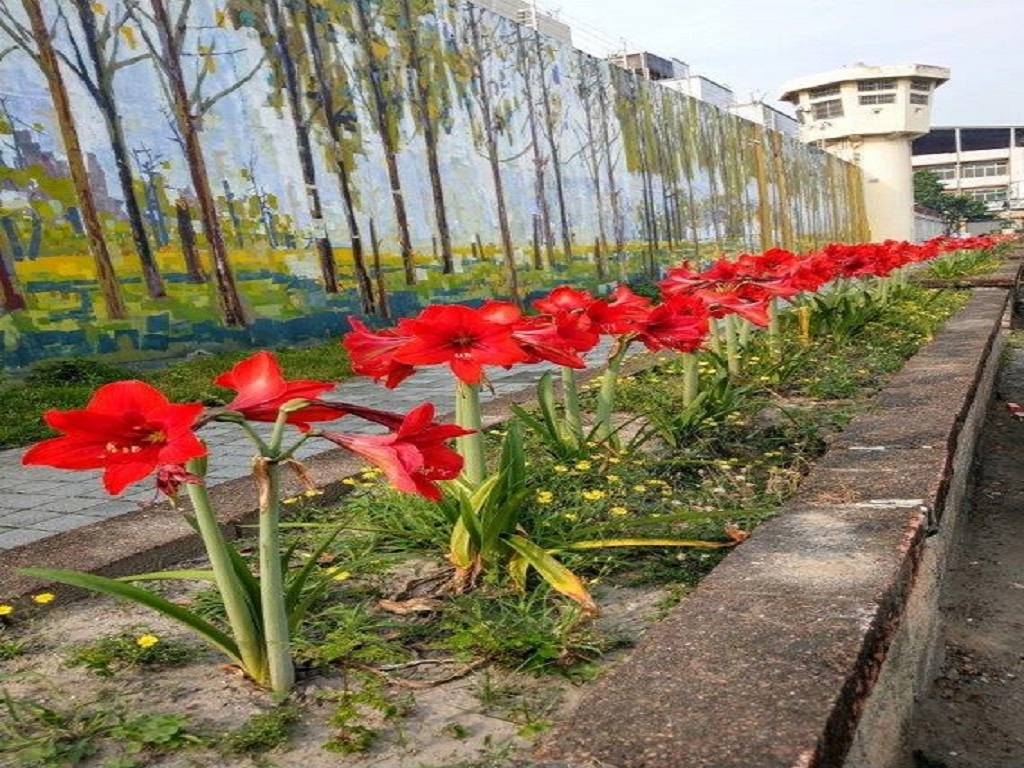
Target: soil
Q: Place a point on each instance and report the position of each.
(974, 716)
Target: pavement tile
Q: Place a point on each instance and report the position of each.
(16, 537)
(26, 518)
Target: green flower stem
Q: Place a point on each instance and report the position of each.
(609, 384)
(272, 599)
(773, 323)
(471, 447)
(244, 624)
(691, 379)
(746, 327)
(714, 336)
(732, 352)
(571, 399)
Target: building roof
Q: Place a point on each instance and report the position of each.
(791, 89)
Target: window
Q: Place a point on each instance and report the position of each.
(918, 98)
(983, 169)
(878, 98)
(865, 86)
(823, 92)
(924, 86)
(944, 172)
(988, 194)
(938, 141)
(984, 138)
(822, 110)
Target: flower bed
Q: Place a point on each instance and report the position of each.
(672, 482)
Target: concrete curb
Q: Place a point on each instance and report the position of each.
(806, 647)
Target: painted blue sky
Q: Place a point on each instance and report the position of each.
(754, 46)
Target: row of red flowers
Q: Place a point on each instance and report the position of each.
(131, 431)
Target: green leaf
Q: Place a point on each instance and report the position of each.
(553, 572)
(116, 588)
(186, 574)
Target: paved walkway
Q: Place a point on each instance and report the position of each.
(36, 502)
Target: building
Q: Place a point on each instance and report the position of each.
(986, 162)
(527, 14)
(704, 89)
(771, 118)
(651, 67)
(869, 115)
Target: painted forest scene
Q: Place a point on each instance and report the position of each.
(177, 174)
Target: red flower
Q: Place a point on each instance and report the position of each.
(170, 477)
(680, 324)
(564, 299)
(620, 312)
(415, 457)
(128, 430)
(262, 391)
(373, 354)
(460, 336)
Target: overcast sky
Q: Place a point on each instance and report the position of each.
(754, 46)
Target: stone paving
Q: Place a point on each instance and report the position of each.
(36, 502)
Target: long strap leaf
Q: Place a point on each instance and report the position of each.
(553, 572)
(116, 588)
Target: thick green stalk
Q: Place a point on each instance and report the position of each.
(714, 335)
(571, 400)
(244, 622)
(691, 379)
(272, 600)
(471, 447)
(609, 384)
(773, 323)
(732, 352)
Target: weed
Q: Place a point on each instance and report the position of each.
(263, 731)
(107, 656)
(38, 734)
(358, 710)
(11, 649)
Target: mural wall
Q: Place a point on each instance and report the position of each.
(179, 173)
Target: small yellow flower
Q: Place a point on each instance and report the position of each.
(43, 598)
(350, 481)
(571, 516)
(147, 641)
(619, 511)
(337, 574)
(613, 478)
(291, 500)
(311, 492)
(545, 497)
(6, 610)
(583, 465)
(594, 495)
(639, 487)
(560, 468)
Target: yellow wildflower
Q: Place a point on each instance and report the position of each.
(545, 497)
(560, 468)
(614, 460)
(6, 610)
(147, 641)
(595, 494)
(571, 516)
(619, 511)
(311, 492)
(43, 598)
(613, 478)
(639, 487)
(583, 465)
(337, 574)
(350, 481)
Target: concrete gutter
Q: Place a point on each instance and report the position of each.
(806, 647)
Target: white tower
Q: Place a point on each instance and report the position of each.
(869, 116)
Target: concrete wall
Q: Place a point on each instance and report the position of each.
(340, 159)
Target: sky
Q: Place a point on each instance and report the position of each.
(754, 46)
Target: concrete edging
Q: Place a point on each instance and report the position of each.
(806, 647)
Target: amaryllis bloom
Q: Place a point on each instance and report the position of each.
(415, 457)
(622, 311)
(460, 336)
(748, 300)
(128, 430)
(680, 324)
(262, 390)
(373, 353)
(554, 338)
(564, 299)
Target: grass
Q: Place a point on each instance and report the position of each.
(67, 384)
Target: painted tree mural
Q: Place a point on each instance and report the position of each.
(181, 172)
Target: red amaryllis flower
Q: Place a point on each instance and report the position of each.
(563, 299)
(415, 457)
(262, 390)
(680, 324)
(620, 312)
(748, 300)
(170, 478)
(460, 336)
(373, 354)
(128, 430)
